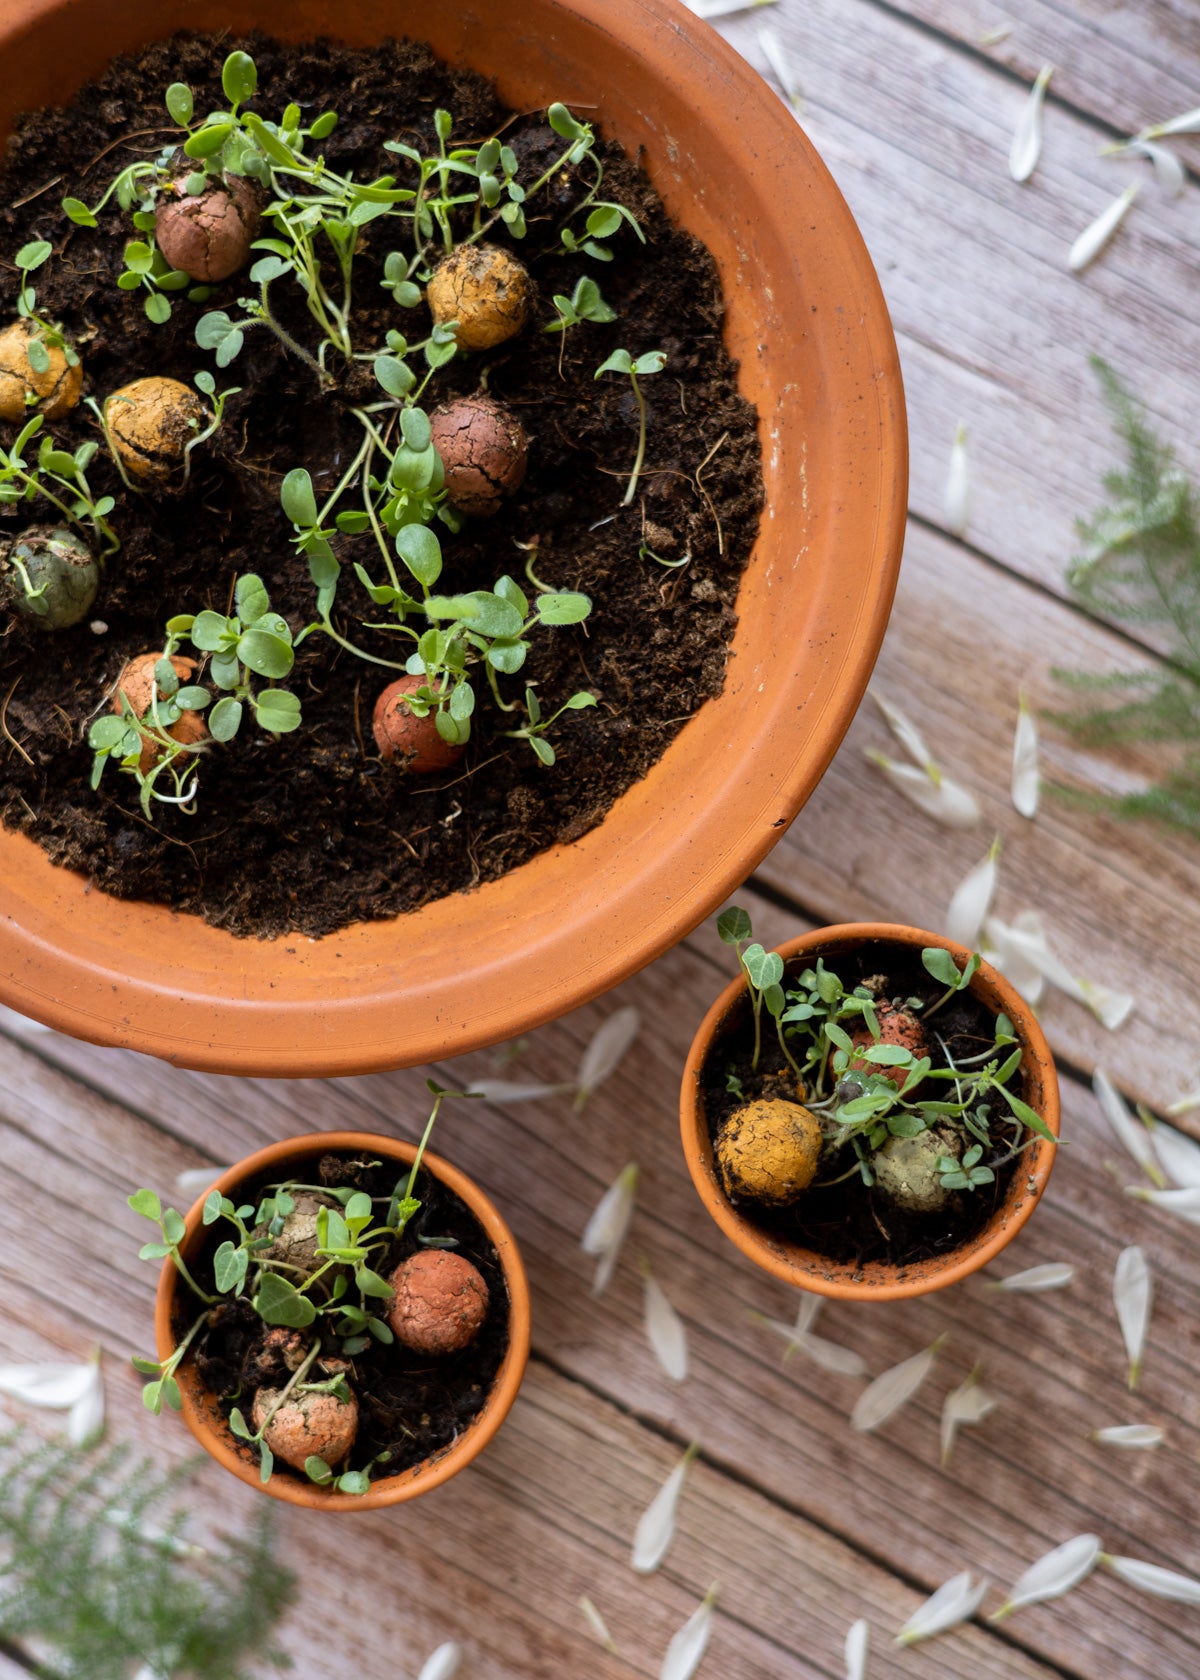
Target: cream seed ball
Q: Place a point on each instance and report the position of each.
(55, 389)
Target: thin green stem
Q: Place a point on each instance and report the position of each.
(641, 449)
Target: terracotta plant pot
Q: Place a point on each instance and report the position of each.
(205, 1419)
(875, 1280)
(807, 320)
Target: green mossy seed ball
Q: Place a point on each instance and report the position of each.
(767, 1151)
(61, 577)
(907, 1175)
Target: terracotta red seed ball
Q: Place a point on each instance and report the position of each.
(896, 1026)
(441, 1301)
(137, 683)
(484, 450)
(207, 235)
(307, 1426)
(404, 739)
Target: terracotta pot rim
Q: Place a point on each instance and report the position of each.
(836, 1279)
(220, 1442)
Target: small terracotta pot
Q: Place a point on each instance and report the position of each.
(876, 1280)
(204, 1417)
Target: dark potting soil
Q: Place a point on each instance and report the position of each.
(848, 1221)
(309, 831)
(410, 1405)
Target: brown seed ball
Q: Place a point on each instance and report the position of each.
(484, 451)
(768, 1150)
(137, 683)
(151, 421)
(61, 569)
(906, 1171)
(296, 1244)
(57, 390)
(404, 739)
(486, 290)
(441, 1301)
(207, 235)
(896, 1026)
(307, 1426)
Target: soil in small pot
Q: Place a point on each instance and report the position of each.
(410, 1405)
(309, 831)
(847, 1221)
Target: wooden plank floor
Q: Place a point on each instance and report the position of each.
(803, 1525)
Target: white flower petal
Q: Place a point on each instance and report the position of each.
(51, 1388)
(1026, 776)
(1052, 1575)
(513, 1091)
(1150, 1578)
(196, 1180)
(973, 899)
(1133, 1297)
(955, 1601)
(723, 8)
(967, 1404)
(656, 1525)
(1016, 949)
(1026, 145)
(596, 1622)
(1036, 1280)
(1133, 1435)
(688, 1646)
(993, 37)
(1097, 234)
(939, 797)
(858, 1643)
(956, 499)
(1184, 1204)
(808, 1312)
(1130, 1133)
(85, 1420)
(1178, 1155)
(779, 61)
(1168, 168)
(1187, 123)
(443, 1663)
(605, 1052)
(830, 1356)
(605, 1231)
(665, 1330)
(1110, 1007)
(893, 1389)
(906, 732)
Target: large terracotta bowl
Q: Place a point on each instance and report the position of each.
(206, 1420)
(807, 321)
(876, 1280)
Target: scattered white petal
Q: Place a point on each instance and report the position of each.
(1026, 145)
(1026, 777)
(1184, 1105)
(1017, 950)
(1055, 1274)
(973, 899)
(780, 64)
(665, 1330)
(710, 9)
(1178, 1155)
(606, 1051)
(604, 1234)
(808, 1312)
(688, 1646)
(1111, 1008)
(1187, 123)
(656, 1525)
(85, 1420)
(1150, 1578)
(1133, 1296)
(1130, 1133)
(1133, 1435)
(858, 1643)
(906, 732)
(830, 1356)
(1051, 1576)
(893, 1389)
(51, 1388)
(956, 500)
(993, 37)
(946, 801)
(967, 1404)
(196, 1180)
(1097, 234)
(513, 1091)
(1168, 169)
(1184, 1204)
(443, 1663)
(955, 1601)
(596, 1622)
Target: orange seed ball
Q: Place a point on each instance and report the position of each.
(441, 1301)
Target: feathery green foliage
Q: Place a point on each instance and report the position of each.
(1140, 565)
(96, 1576)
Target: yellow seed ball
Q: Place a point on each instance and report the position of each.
(767, 1151)
(151, 422)
(57, 389)
(486, 290)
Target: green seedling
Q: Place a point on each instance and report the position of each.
(584, 304)
(59, 478)
(537, 727)
(252, 642)
(49, 335)
(652, 361)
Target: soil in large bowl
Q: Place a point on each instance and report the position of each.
(844, 1219)
(411, 1406)
(310, 831)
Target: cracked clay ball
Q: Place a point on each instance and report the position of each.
(307, 1426)
(896, 1026)
(486, 290)
(767, 1151)
(137, 683)
(441, 1301)
(151, 421)
(57, 388)
(484, 451)
(207, 235)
